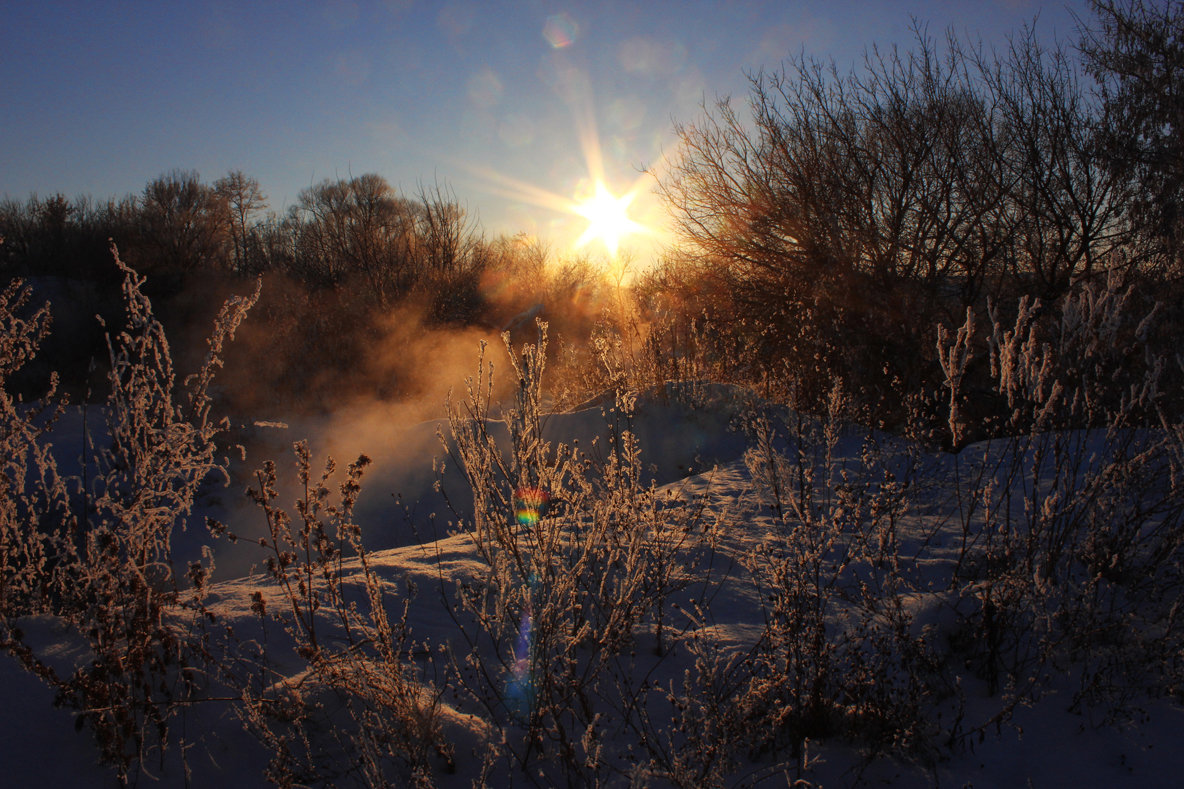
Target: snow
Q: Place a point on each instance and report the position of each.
(693, 447)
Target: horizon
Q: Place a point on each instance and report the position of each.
(521, 112)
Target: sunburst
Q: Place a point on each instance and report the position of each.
(608, 218)
(612, 217)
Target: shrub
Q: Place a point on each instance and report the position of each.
(1073, 535)
(356, 710)
(108, 562)
(580, 557)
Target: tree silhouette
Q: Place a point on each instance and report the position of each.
(356, 226)
(243, 199)
(1135, 51)
(852, 212)
(181, 221)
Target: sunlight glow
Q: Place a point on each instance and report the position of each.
(608, 218)
(600, 208)
(606, 214)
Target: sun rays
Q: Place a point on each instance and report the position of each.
(608, 218)
(599, 212)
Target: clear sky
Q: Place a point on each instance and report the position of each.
(504, 102)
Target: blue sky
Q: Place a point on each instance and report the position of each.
(501, 101)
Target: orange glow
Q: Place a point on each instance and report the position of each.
(608, 218)
(607, 214)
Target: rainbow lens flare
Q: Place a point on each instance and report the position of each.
(520, 686)
(560, 31)
(529, 505)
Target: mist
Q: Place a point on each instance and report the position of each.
(872, 476)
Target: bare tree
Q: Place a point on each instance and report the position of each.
(356, 226)
(1135, 52)
(243, 199)
(1064, 204)
(852, 211)
(447, 236)
(449, 254)
(181, 220)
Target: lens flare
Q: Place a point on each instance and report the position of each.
(519, 696)
(529, 505)
(560, 31)
(520, 686)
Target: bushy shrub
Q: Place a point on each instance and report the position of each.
(1074, 536)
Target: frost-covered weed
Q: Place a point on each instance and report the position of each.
(838, 655)
(1073, 538)
(356, 710)
(107, 561)
(32, 494)
(577, 577)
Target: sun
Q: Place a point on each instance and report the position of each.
(608, 218)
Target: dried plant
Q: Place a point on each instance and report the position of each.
(107, 562)
(581, 555)
(356, 710)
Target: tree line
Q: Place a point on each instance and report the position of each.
(824, 234)
(336, 265)
(830, 227)
(336, 231)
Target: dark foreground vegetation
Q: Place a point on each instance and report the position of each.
(949, 247)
